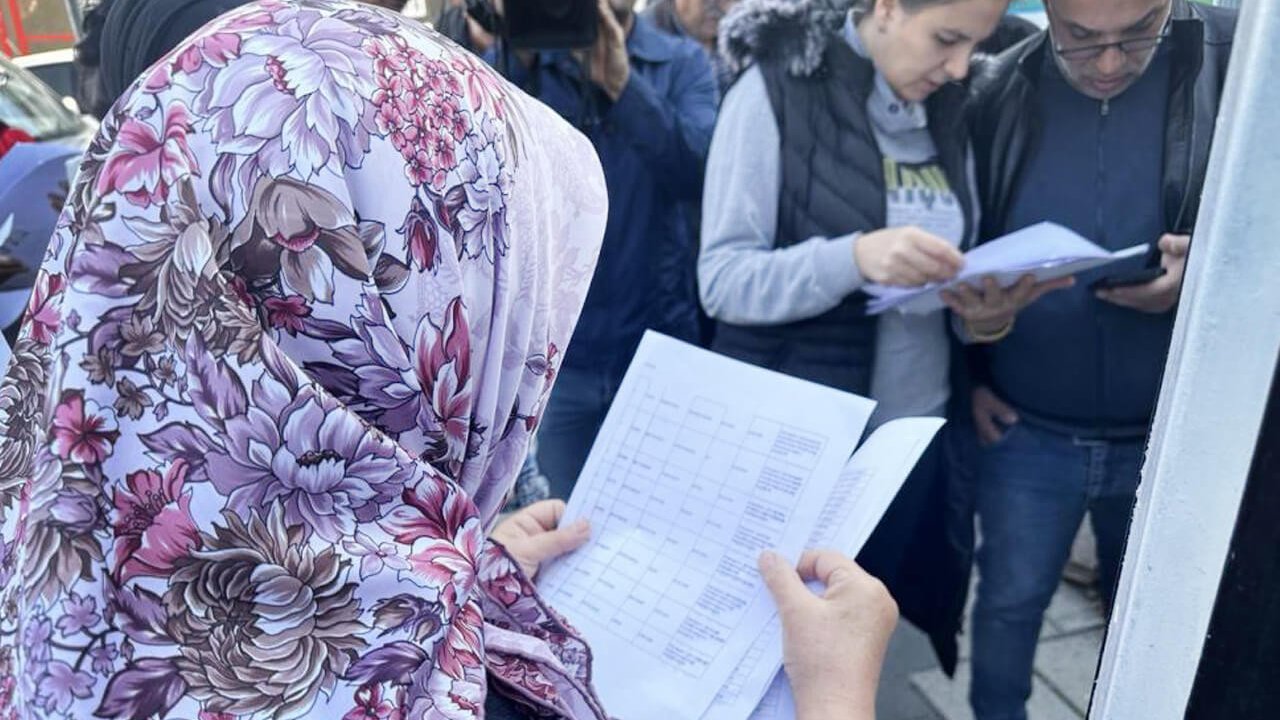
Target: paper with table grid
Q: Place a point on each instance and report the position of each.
(702, 463)
(864, 492)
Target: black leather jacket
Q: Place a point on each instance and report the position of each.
(1004, 128)
(1004, 122)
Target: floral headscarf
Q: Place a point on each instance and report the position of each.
(278, 373)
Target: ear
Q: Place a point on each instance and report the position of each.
(883, 11)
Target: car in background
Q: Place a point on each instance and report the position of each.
(31, 105)
(1032, 10)
(57, 69)
(41, 141)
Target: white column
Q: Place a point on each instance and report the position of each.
(1225, 346)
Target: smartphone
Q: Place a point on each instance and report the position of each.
(1141, 276)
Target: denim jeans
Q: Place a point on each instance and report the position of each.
(1033, 489)
(574, 414)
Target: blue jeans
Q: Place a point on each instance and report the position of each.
(574, 414)
(1033, 489)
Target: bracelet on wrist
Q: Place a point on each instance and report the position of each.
(988, 337)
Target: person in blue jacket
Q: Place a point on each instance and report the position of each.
(647, 100)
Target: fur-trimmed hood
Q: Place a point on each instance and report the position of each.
(797, 31)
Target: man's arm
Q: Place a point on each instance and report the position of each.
(672, 132)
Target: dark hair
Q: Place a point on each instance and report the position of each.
(912, 5)
(136, 33)
(397, 5)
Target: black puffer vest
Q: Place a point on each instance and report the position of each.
(833, 184)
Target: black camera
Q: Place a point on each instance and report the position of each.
(540, 24)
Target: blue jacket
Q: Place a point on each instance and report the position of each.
(653, 144)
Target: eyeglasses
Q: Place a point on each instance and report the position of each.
(1130, 46)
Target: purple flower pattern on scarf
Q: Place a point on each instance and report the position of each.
(260, 412)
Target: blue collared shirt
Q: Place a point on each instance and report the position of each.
(653, 145)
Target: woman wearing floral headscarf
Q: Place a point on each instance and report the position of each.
(280, 367)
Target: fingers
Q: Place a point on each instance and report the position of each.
(1155, 296)
(1018, 295)
(845, 582)
(968, 295)
(784, 583)
(999, 408)
(922, 268)
(1044, 288)
(936, 258)
(906, 257)
(1049, 286)
(953, 301)
(942, 253)
(543, 515)
(554, 543)
(1119, 296)
(611, 29)
(827, 567)
(962, 301)
(1175, 245)
(988, 432)
(908, 275)
(1021, 294)
(987, 409)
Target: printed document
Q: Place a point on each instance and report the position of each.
(1047, 251)
(702, 463)
(863, 493)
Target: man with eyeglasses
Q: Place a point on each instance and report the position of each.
(1101, 123)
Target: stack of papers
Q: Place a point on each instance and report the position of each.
(702, 463)
(1047, 251)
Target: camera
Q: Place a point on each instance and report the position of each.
(540, 24)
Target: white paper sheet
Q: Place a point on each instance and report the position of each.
(1045, 250)
(702, 463)
(866, 487)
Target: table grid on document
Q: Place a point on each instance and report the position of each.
(672, 586)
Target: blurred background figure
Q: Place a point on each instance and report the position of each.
(698, 20)
(647, 101)
(456, 24)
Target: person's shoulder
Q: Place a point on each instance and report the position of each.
(1219, 23)
(746, 91)
(991, 75)
(650, 42)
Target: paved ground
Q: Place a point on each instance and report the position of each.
(913, 687)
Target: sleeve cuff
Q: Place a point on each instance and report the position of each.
(835, 271)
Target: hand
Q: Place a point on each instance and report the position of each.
(531, 535)
(906, 256)
(610, 66)
(991, 308)
(478, 37)
(833, 645)
(989, 413)
(1161, 294)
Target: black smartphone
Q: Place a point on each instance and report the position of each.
(1142, 276)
